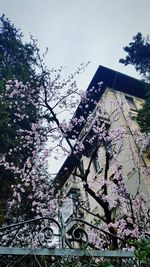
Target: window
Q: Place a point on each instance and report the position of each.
(96, 163)
(147, 152)
(66, 185)
(148, 155)
(131, 103)
(82, 165)
(131, 172)
(133, 115)
(74, 194)
(110, 147)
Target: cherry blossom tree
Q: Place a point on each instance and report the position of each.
(25, 122)
(122, 213)
(124, 217)
(32, 180)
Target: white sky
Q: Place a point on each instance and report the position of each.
(77, 31)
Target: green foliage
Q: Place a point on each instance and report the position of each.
(17, 61)
(84, 262)
(94, 262)
(143, 117)
(138, 55)
(142, 251)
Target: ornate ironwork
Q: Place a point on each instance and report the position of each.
(35, 233)
(48, 236)
(48, 232)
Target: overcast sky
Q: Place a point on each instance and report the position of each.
(77, 31)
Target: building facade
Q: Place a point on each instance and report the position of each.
(115, 156)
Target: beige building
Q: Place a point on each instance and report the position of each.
(113, 105)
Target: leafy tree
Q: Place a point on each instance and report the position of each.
(17, 61)
(138, 55)
(143, 117)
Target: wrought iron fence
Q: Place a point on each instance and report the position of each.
(45, 241)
